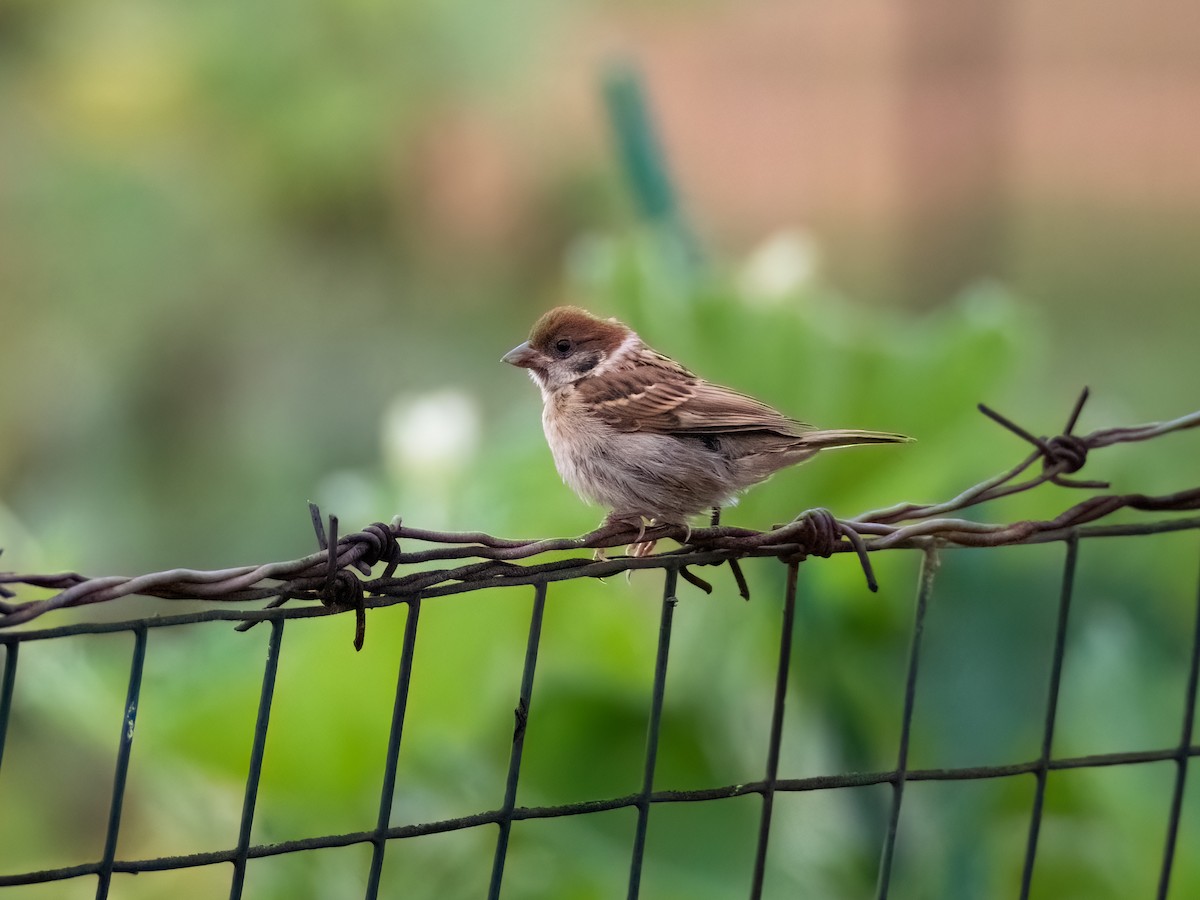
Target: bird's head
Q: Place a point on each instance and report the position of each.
(568, 344)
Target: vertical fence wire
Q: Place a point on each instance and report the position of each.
(781, 683)
(929, 566)
(6, 691)
(652, 730)
(124, 747)
(524, 700)
(1181, 759)
(254, 773)
(392, 757)
(1056, 664)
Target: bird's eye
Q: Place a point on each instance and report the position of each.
(563, 346)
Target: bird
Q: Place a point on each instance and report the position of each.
(632, 430)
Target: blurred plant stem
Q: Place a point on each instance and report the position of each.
(646, 170)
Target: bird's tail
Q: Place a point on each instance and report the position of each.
(848, 437)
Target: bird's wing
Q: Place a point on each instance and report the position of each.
(667, 399)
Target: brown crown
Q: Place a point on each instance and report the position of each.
(577, 325)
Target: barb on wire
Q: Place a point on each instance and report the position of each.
(339, 574)
(1064, 453)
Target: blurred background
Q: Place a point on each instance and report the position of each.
(256, 254)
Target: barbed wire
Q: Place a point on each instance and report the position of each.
(339, 575)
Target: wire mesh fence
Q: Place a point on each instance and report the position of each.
(649, 797)
(932, 538)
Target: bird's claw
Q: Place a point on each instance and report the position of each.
(641, 549)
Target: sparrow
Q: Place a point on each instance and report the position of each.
(634, 431)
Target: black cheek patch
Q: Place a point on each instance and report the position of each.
(586, 363)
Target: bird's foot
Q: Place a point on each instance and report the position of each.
(611, 527)
(641, 549)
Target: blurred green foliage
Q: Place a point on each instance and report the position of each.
(221, 300)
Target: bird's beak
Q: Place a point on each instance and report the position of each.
(523, 356)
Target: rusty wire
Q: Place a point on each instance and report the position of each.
(329, 575)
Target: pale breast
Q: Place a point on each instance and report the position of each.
(580, 445)
(633, 473)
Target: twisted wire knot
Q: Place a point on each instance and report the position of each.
(343, 591)
(382, 544)
(820, 532)
(1065, 450)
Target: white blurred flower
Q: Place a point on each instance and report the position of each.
(428, 440)
(433, 435)
(782, 264)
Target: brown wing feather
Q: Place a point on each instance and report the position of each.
(664, 398)
(713, 408)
